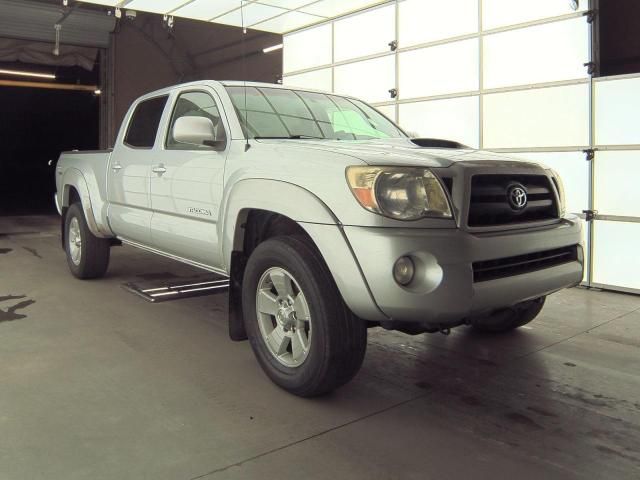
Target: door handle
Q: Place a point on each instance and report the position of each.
(159, 169)
(116, 167)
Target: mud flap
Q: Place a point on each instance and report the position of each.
(237, 331)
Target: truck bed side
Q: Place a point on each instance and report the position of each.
(83, 176)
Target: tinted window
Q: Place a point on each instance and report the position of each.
(271, 112)
(145, 122)
(196, 104)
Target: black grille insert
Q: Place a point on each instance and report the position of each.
(490, 204)
(507, 267)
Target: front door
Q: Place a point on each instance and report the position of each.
(187, 183)
(129, 170)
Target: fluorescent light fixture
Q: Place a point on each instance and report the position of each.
(27, 74)
(272, 49)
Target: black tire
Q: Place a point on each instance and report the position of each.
(509, 318)
(94, 252)
(339, 340)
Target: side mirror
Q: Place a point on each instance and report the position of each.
(197, 131)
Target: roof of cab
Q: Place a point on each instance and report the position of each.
(225, 83)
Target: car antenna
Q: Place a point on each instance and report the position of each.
(247, 145)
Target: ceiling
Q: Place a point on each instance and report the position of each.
(278, 16)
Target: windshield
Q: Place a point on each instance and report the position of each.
(281, 113)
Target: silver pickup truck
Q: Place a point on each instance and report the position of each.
(326, 217)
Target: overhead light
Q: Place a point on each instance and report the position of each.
(56, 48)
(97, 91)
(272, 49)
(27, 74)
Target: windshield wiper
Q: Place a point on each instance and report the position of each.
(290, 137)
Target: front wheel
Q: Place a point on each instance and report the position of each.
(303, 335)
(510, 318)
(87, 255)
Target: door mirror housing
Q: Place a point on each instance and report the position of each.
(197, 131)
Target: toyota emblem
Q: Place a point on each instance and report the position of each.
(517, 197)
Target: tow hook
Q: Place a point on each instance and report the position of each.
(445, 331)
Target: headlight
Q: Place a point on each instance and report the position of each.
(400, 193)
(560, 187)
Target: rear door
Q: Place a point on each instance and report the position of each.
(130, 169)
(187, 183)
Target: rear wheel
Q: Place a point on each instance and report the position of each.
(303, 335)
(87, 255)
(510, 318)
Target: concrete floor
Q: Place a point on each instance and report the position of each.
(96, 383)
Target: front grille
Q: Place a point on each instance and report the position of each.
(507, 267)
(490, 206)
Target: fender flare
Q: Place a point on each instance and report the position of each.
(292, 201)
(74, 178)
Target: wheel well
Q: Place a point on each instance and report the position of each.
(73, 197)
(260, 225)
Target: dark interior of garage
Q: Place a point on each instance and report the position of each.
(37, 124)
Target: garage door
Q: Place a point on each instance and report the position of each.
(504, 76)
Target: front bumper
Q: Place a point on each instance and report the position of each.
(443, 292)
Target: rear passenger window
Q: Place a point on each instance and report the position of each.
(144, 123)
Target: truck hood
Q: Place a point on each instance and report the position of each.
(397, 151)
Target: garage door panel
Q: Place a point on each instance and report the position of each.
(545, 53)
(379, 73)
(500, 13)
(616, 183)
(615, 256)
(365, 34)
(439, 70)
(617, 111)
(438, 20)
(307, 49)
(543, 117)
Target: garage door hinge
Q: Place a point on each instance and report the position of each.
(591, 67)
(590, 215)
(590, 154)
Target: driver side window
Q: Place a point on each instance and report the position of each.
(195, 104)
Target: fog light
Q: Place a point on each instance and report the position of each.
(404, 270)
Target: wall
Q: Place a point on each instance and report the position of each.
(145, 56)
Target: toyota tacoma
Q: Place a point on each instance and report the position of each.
(327, 219)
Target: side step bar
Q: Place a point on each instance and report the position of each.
(177, 292)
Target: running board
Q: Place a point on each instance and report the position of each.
(178, 292)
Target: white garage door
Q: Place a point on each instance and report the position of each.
(500, 75)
